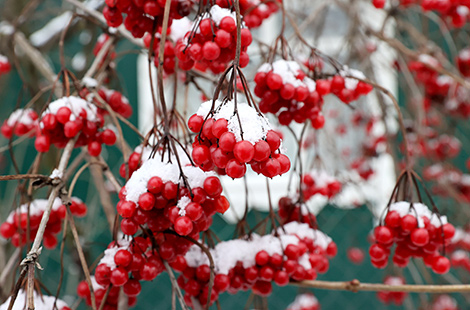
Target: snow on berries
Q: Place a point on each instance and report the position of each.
(41, 302)
(393, 297)
(112, 300)
(229, 140)
(254, 11)
(298, 253)
(72, 117)
(305, 301)
(417, 232)
(21, 122)
(16, 225)
(158, 195)
(5, 66)
(142, 15)
(213, 44)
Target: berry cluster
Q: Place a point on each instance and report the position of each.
(417, 232)
(297, 254)
(71, 117)
(229, 140)
(112, 300)
(156, 196)
(288, 93)
(291, 211)
(20, 122)
(115, 99)
(320, 182)
(41, 301)
(213, 44)
(254, 11)
(142, 15)
(444, 302)
(16, 225)
(305, 301)
(392, 297)
(5, 66)
(457, 12)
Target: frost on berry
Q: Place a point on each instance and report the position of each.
(229, 140)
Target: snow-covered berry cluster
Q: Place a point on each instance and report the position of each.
(213, 44)
(115, 99)
(417, 232)
(292, 211)
(20, 122)
(305, 301)
(112, 300)
(157, 196)
(288, 93)
(254, 11)
(344, 86)
(444, 302)
(321, 183)
(5, 66)
(392, 297)
(142, 15)
(298, 253)
(455, 12)
(41, 301)
(16, 225)
(229, 140)
(71, 117)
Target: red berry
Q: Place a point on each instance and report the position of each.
(244, 151)
(274, 81)
(195, 123)
(408, 223)
(147, 201)
(420, 237)
(119, 276)
(441, 265)
(94, 148)
(212, 186)
(262, 258)
(155, 185)
(228, 24)
(108, 137)
(211, 50)
(234, 169)
(227, 142)
(383, 234)
(132, 287)
(123, 258)
(183, 225)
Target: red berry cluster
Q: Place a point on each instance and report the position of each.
(115, 99)
(16, 225)
(229, 141)
(5, 66)
(290, 211)
(156, 196)
(20, 122)
(444, 302)
(297, 254)
(320, 182)
(213, 44)
(112, 300)
(455, 12)
(71, 117)
(417, 232)
(305, 301)
(288, 93)
(142, 15)
(392, 297)
(254, 11)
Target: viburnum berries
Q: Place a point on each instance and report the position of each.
(16, 224)
(393, 297)
(229, 141)
(20, 123)
(253, 11)
(213, 44)
(298, 253)
(72, 117)
(417, 232)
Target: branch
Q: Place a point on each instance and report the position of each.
(356, 286)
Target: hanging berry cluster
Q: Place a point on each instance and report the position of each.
(156, 196)
(213, 44)
(297, 254)
(21, 122)
(393, 297)
(229, 140)
(72, 117)
(417, 232)
(16, 225)
(141, 16)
